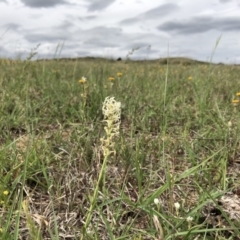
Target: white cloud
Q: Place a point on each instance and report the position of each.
(113, 27)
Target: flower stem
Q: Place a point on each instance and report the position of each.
(95, 195)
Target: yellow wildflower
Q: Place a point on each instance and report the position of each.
(5, 192)
(238, 94)
(119, 74)
(111, 79)
(235, 102)
(190, 78)
(82, 80)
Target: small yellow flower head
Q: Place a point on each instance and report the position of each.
(190, 78)
(5, 192)
(111, 79)
(83, 80)
(119, 74)
(238, 94)
(235, 102)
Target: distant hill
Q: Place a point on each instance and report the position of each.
(163, 61)
(180, 60)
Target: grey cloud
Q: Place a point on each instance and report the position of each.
(161, 10)
(42, 3)
(145, 53)
(142, 48)
(200, 25)
(100, 37)
(154, 13)
(135, 45)
(65, 25)
(98, 5)
(68, 51)
(70, 45)
(61, 32)
(11, 26)
(130, 20)
(224, 1)
(94, 42)
(114, 37)
(94, 37)
(90, 17)
(104, 32)
(105, 37)
(40, 37)
(83, 53)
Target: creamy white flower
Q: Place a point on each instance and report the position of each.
(189, 219)
(156, 201)
(111, 109)
(177, 205)
(112, 116)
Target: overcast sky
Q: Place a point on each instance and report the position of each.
(112, 28)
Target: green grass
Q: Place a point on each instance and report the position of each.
(175, 145)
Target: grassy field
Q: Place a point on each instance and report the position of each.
(160, 160)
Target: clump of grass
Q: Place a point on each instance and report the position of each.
(33, 230)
